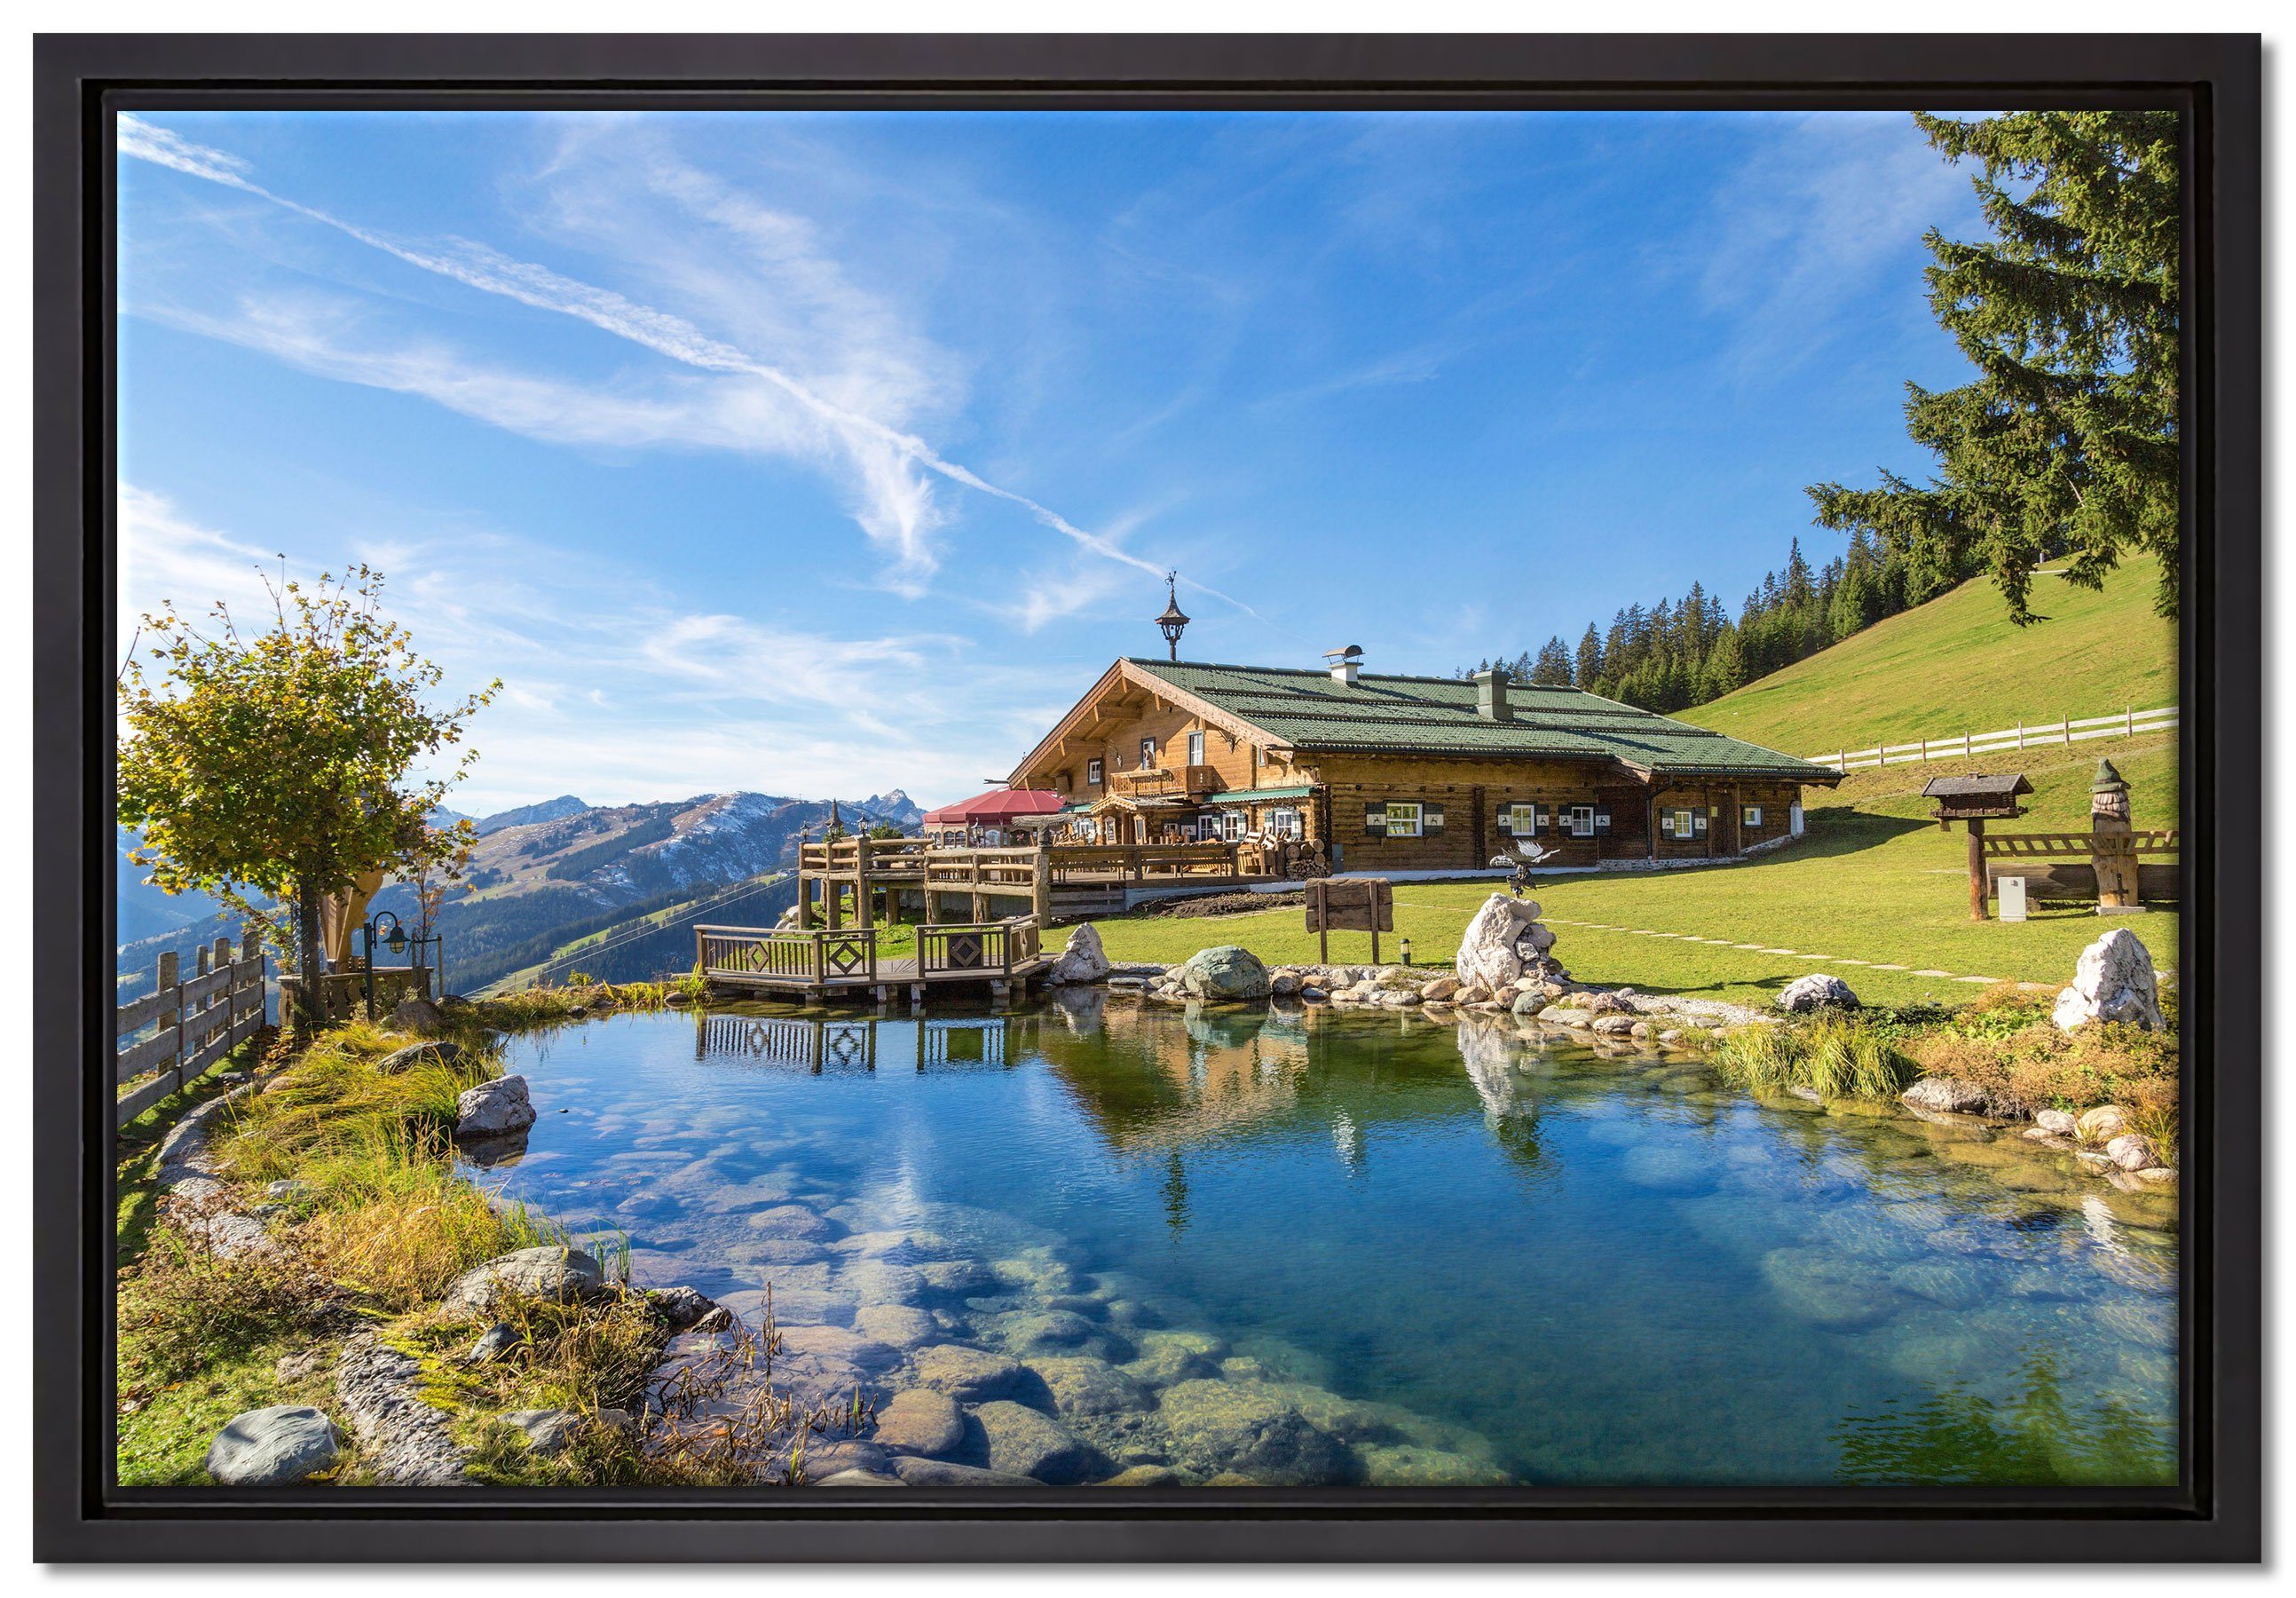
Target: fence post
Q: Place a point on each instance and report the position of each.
(1964, 743)
(167, 978)
(2069, 730)
(2021, 735)
(182, 1041)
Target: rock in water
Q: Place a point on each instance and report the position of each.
(1246, 1429)
(1819, 990)
(1487, 951)
(2113, 982)
(920, 1420)
(1949, 1095)
(547, 1271)
(1027, 1442)
(494, 1109)
(1083, 960)
(970, 1375)
(680, 1307)
(2131, 1151)
(1227, 972)
(273, 1447)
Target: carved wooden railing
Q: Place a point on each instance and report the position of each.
(792, 955)
(986, 948)
(881, 857)
(2007, 845)
(1165, 779)
(1137, 863)
(1006, 871)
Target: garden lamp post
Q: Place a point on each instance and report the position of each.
(395, 940)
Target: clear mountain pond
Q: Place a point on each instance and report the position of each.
(1292, 1245)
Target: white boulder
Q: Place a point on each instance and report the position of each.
(1082, 960)
(1490, 950)
(494, 1109)
(1820, 990)
(2113, 982)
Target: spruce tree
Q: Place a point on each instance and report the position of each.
(1588, 670)
(2066, 443)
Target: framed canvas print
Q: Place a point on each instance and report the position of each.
(1148, 798)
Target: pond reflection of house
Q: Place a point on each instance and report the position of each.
(1156, 1078)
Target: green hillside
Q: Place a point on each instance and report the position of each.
(1956, 664)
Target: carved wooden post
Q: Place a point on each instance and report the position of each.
(1041, 887)
(2112, 852)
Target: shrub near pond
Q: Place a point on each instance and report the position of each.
(1836, 1056)
(2005, 1044)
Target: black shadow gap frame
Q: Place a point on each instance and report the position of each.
(81, 82)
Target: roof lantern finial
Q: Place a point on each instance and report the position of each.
(1173, 619)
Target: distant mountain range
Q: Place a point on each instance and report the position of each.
(546, 875)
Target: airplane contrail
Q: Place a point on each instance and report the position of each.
(483, 267)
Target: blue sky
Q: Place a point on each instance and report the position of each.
(825, 453)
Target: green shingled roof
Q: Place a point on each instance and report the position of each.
(1309, 710)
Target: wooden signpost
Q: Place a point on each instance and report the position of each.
(1362, 904)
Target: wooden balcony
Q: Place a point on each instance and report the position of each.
(1165, 782)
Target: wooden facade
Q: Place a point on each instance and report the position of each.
(1144, 759)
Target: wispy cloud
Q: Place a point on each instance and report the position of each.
(607, 676)
(481, 266)
(1821, 209)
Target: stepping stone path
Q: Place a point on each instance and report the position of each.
(1837, 959)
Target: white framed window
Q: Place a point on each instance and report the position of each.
(1403, 818)
(1751, 815)
(1195, 748)
(1232, 825)
(1582, 821)
(1093, 773)
(1521, 819)
(1284, 823)
(1684, 823)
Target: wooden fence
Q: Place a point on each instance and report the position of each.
(1964, 746)
(181, 1030)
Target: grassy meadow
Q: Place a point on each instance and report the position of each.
(1956, 664)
